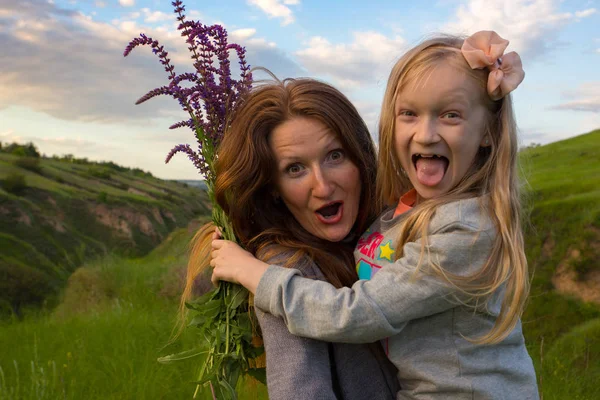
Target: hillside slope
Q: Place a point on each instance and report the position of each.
(69, 212)
(561, 322)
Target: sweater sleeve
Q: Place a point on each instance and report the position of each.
(378, 308)
(297, 367)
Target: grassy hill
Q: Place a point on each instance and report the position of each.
(57, 213)
(562, 320)
(115, 319)
(117, 315)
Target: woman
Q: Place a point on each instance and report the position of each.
(296, 175)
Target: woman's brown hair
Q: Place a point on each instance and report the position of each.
(246, 179)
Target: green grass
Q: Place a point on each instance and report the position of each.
(108, 348)
(564, 193)
(37, 181)
(572, 365)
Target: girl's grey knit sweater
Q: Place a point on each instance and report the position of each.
(422, 316)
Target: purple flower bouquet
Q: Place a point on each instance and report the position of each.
(209, 96)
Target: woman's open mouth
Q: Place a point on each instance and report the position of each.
(430, 168)
(331, 213)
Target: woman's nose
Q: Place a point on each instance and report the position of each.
(322, 186)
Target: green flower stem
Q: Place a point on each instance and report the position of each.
(227, 288)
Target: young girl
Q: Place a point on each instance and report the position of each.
(443, 272)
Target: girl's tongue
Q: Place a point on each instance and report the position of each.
(431, 170)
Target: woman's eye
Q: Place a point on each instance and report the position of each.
(336, 155)
(294, 169)
(407, 113)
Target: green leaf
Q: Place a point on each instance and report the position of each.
(260, 374)
(233, 373)
(227, 391)
(197, 303)
(197, 320)
(211, 309)
(254, 352)
(236, 296)
(182, 356)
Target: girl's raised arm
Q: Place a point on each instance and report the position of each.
(374, 309)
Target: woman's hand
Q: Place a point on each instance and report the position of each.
(233, 264)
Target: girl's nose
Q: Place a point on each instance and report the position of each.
(426, 132)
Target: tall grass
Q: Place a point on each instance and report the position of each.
(104, 345)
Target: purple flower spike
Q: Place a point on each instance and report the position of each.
(209, 94)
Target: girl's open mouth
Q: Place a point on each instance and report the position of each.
(331, 213)
(430, 168)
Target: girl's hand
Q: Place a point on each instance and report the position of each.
(231, 263)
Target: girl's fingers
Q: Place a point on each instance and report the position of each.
(218, 232)
(217, 243)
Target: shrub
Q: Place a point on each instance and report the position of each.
(101, 173)
(87, 290)
(141, 173)
(23, 285)
(29, 163)
(103, 197)
(18, 151)
(21, 150)
(14, 183)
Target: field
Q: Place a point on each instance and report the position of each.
(116, 315)
(102, 342)
(562, 327)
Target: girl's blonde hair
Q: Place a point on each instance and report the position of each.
(494, 173)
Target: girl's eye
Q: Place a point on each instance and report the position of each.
(451, 114)
(294, 169)
(407, 113)
(336, 155)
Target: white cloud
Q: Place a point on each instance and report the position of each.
(242, 34)
(585, 98)
(585, 13)
(127, 3)
(156, 16)
(7, 133)
(85, 76)
(276, 9)
(531, 26)
(368, 58)
(246, 37)
(100, 4)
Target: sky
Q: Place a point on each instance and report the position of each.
(66, 87)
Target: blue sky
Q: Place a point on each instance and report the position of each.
(65, 85)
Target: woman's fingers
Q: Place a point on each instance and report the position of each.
(217, 234)
(214, 279)
(217, 243)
